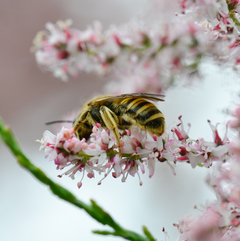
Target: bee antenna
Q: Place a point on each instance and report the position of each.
(58, 121)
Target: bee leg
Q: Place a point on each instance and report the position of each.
(111, 121)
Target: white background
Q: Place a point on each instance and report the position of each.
(29, 98)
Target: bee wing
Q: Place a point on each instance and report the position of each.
(151, 97)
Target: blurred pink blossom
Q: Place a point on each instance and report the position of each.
(145, 57)
(219, 220)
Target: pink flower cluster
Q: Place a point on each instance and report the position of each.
(139, 150)
(221, 21)
(219, 220)
(148, 56)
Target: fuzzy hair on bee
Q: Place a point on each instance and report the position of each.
(120, 112)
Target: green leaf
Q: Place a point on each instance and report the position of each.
(103, 232)
(148, 234)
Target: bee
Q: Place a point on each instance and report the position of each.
(120, 112)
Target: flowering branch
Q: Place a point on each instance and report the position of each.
(138, 149)
(93, 209)
(219, 220)
(152, 57)
(220, 20)
(129, 48)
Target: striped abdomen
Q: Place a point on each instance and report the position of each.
(144, 114)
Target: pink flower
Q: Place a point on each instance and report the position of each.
(213, 224)
(153, 158)
(139, 150)
(235, 123)
(179, 130)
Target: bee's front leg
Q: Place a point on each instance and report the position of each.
(110, 119)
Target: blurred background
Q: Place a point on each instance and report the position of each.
(29, 97)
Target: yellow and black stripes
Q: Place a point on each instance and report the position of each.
(146, 115)
(121, 112)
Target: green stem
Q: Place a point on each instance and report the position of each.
(232, 16)
(93, 209)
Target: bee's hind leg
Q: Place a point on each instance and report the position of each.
(111, 121)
